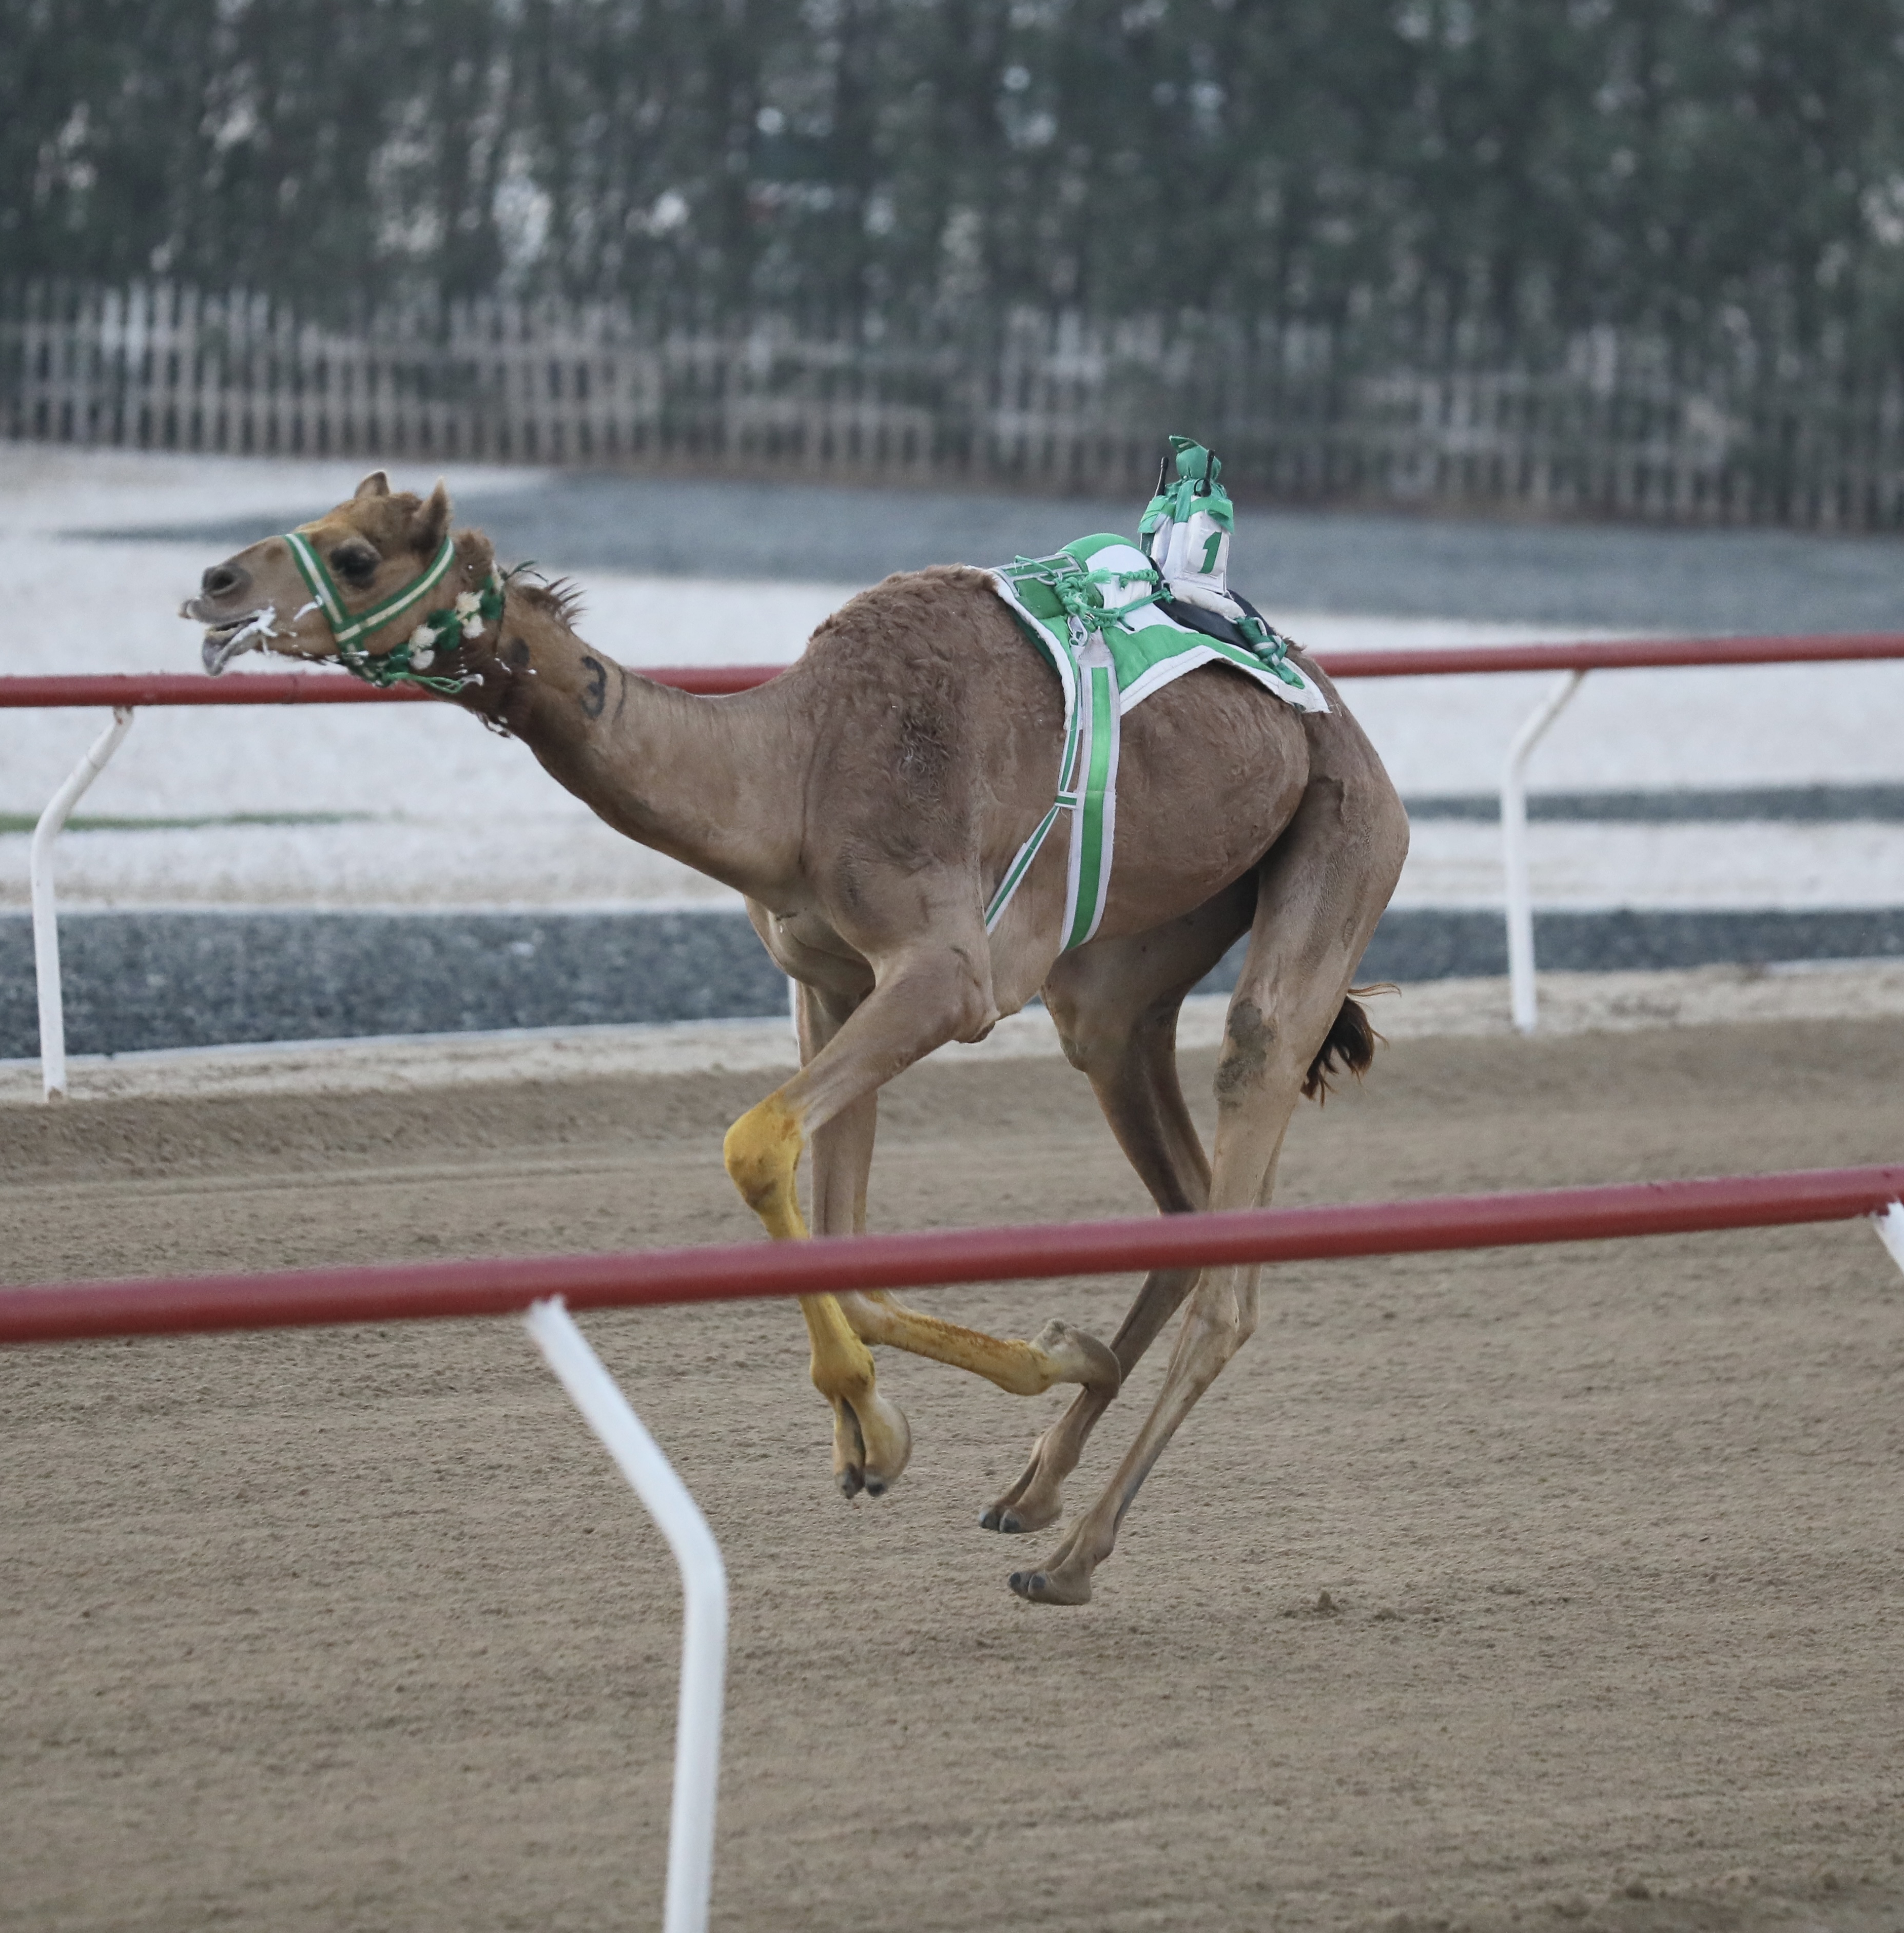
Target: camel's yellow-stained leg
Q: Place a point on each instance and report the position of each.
(1058, 1354)
(851, 1048)
(871, 1439)
(842, 1157)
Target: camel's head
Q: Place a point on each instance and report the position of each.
(361, 584)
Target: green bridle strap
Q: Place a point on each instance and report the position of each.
(438, 628)
(346, 629)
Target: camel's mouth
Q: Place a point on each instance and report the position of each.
(231, 637)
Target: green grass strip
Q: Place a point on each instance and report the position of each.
(21, 821)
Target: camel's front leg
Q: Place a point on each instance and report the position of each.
(1058, 1354)
(851, 1051)
(918, 1001)
(871, 1439)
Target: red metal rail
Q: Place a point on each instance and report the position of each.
(301, 687)
(1615, 654)
(330, 687)
(78, 1311)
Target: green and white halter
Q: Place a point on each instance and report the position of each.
(1091, 609)
(407, 661)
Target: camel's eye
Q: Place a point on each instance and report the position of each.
(355, 562)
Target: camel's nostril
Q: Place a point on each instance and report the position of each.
(222, 581)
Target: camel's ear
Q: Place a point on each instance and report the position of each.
(375, 484)
(431, 524)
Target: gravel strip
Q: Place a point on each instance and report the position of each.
(1570, 1003)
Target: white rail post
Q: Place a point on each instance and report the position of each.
(704, 1622)
(46, 914)
(1889, 1226)
(1513, 850)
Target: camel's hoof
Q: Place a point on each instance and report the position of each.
(871, 1445)
(1058, 1586)
(1015, 1519)
(1080, 1358)
(1036, 1500)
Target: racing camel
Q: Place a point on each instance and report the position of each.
(866, 802)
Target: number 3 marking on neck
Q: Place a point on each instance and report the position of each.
(594, 694)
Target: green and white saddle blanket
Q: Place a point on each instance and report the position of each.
(1092, 608)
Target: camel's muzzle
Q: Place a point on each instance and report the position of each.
(228, 638)
(229, 632)
(225, 581)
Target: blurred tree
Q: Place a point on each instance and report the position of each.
(319, 151)
(1514, 168)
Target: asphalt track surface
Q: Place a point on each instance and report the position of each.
(1554, 1587)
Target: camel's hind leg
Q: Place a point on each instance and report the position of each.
(1115, 1005)
(1321, 890)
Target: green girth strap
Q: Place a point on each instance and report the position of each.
(1087, 768)
(1087, 876)
(1087, 789)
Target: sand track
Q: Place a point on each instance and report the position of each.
(355, 1629)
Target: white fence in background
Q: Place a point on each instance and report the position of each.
(1610, 425)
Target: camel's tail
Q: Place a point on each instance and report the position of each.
(1350, 1043)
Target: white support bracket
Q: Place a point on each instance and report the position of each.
(704, 1588)
(1889, 1226)
(1513, 850)
(46, 913)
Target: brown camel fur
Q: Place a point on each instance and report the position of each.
(866, 803)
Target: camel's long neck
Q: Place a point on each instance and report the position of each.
(714, 783)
